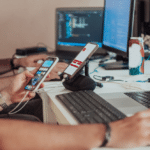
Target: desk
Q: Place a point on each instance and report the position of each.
(55, 112)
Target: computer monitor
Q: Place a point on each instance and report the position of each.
(76, 26)
(118, 26)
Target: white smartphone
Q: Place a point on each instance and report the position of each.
(80, 60)
(41, 74)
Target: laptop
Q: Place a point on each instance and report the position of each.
(127, 104)
(75, 27)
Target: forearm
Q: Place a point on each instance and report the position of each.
(4, 82)
(5, 65)
(36, 136)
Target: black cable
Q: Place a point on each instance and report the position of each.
(87, 74)
(11, 62)
(40, 43)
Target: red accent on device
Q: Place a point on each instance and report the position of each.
(84, 49)
(77, 62)
(73, 65)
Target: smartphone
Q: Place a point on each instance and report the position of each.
(80, 60)
(41, 74)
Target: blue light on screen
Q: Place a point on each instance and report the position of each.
(116, 24)
(38, 72)
(47, 63)
(76, 44)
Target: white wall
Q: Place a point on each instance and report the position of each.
(24, 23)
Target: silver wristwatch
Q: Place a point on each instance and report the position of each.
(2, 102)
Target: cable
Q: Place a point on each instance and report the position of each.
(104, 78)
(95, 70)
(13, 56)
(106, 59)
(40, 43)
(11, 112)
(111, 79)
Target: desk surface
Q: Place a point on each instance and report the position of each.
(55, 112)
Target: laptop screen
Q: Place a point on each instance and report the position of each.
(75, 27)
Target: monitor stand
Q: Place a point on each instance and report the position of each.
(121, 63)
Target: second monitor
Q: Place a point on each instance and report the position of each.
(117, 30)
(76, 26)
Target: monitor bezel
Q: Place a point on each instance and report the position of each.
(115, 50)
(74, 49)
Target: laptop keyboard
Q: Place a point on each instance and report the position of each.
(141, 97)
(88, 107)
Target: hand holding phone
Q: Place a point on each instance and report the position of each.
(41, 74)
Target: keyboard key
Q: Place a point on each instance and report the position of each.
(141, 97)
(88, 107)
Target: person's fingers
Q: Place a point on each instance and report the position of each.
(56, 70)
(144, 114)
(54, 76)
(28, 74)
(36, 65)
(40, 57)
(31, 95)
(48, 76)
(62, 65)
(42, 85)
(35, 70)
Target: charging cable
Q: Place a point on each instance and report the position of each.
(12, 111)
(65, 77)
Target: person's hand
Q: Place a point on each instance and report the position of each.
(29, 61)
(59, 67)
(15, 91)
(131, 132)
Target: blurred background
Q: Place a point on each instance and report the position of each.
(25, 23)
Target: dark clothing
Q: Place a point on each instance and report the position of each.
(33, 107)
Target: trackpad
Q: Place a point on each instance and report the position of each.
(124, 103)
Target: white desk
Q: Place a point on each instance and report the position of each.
(54, 111)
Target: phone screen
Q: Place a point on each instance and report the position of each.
(38, 76)
(80, 58)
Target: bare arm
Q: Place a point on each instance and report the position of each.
(127, 133)
(23, 135)
(5, 81)
(29, 61)
(5, 66)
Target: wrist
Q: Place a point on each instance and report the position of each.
(14, 63)
(107, 135)
(6, 97)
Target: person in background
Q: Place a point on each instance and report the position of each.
(7, 65)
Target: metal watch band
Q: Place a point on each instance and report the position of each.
(2, 102)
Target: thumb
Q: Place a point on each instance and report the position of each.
(36, 64)
(28, 74)
(35, 70)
